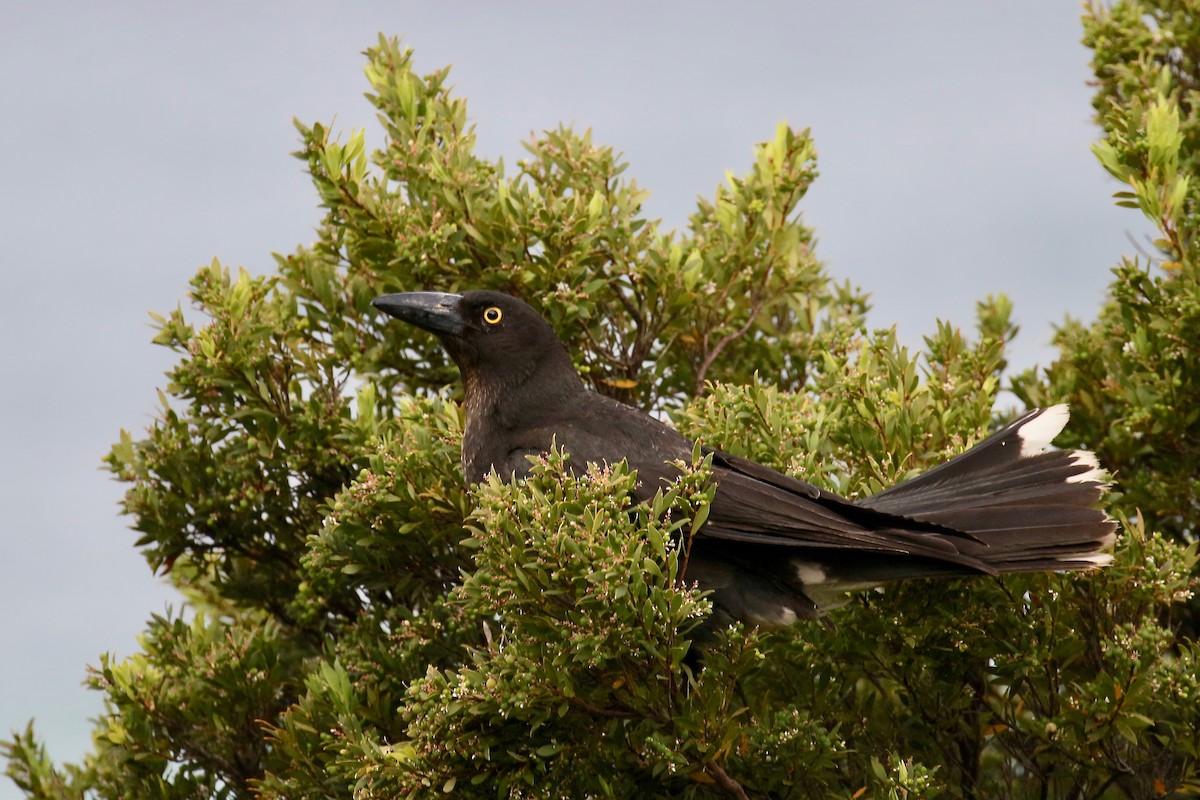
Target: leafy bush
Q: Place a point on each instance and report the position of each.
(362, 624)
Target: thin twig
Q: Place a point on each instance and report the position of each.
(723, 780)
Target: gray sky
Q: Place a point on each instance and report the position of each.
(142, 139)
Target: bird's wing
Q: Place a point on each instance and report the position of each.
(753, 503)
(593, 429)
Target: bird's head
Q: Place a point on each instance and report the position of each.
(497, 340)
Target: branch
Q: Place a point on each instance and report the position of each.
(724, 342)
(732, 787)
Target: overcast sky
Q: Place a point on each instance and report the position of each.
(142, 139)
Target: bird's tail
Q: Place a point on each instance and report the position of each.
(1026, 508)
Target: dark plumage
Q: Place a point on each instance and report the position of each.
(774, 548)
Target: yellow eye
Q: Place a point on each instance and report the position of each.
(492, 315)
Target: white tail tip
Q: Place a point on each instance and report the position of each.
(1038, 432)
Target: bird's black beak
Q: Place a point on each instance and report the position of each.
(435, 312)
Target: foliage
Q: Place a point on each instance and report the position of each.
(361, 624)
(1132, 376)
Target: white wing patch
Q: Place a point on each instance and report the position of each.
(808, 573)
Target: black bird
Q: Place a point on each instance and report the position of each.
(774, 548)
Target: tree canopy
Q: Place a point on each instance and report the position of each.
(361, 624)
